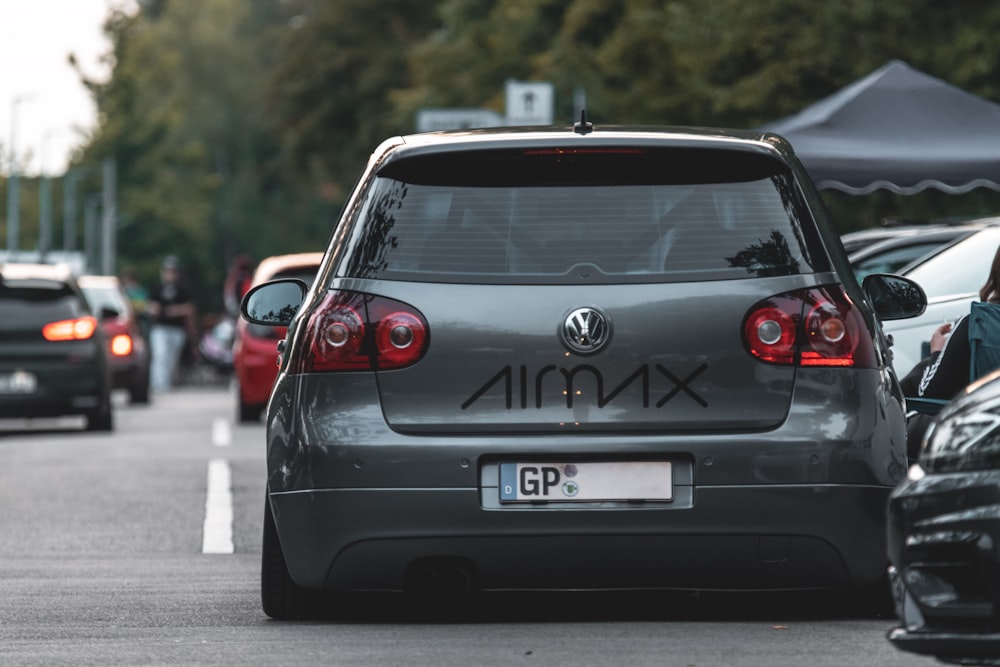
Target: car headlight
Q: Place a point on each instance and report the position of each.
(967, 438)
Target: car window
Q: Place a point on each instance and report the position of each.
(30, 306)
(513, 220)
(893, 260)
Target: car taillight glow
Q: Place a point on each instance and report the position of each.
(815, 327)
(121, 345)
(81, 328)
(351, 331)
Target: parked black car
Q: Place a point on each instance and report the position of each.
(581, 357)
(944, 534)
(53, 357)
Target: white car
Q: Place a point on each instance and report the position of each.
(952, 279)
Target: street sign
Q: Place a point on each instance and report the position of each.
(530, 102)
(431, 120)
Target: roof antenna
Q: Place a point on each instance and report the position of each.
(583, 127)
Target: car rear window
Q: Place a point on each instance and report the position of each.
(610, 215)
(30, 306)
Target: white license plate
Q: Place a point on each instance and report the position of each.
(18, 382)
(586, 481)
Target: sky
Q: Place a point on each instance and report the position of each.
(44, 108)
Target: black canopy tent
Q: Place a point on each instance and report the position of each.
(901, 130)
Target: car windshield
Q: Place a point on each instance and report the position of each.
(595, 218)
(104, 297)
(891, 261)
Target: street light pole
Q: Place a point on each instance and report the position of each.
(13, 190)
(44, 199)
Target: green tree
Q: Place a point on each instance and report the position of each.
(337, 65)
(198, 170)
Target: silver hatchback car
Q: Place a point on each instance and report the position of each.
(580, 358)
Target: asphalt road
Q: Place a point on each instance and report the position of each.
(102, 562)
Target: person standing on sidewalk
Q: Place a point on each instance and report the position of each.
(172, 317)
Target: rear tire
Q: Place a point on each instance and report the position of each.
(102, 420)
(281, 598)
(872, 600)
(138, 393)
(246, 412)
(249, 413)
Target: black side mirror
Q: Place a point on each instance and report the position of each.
(273, 303)
(108, 313)
(894, 297)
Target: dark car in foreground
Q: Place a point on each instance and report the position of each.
(944, 532)
(255, 347)
(580, 358)
(128, 351)
(53, 359)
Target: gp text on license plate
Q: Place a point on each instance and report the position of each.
(586, 481)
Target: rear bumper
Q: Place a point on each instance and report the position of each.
(781, 538)
(798, 506)
(70, 390)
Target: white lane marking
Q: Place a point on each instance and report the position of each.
(222, 435)
(217, 535)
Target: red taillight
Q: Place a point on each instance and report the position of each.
(351, 331)
(770, 330)
(121, 345)
(817, 327)
(81, 328)
(399, 339)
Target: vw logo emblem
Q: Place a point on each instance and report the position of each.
(586, 330)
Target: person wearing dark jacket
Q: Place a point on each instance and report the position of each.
(172, 313)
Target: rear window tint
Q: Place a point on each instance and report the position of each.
(598, 217)
(25, 307)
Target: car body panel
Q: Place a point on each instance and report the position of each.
(496, 361)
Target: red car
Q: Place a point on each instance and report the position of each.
(255, 354)
(128, 353)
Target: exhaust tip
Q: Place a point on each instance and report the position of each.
(441, 576)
